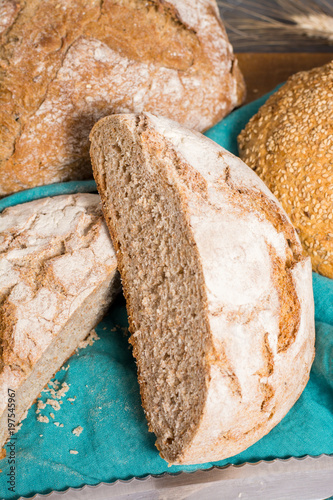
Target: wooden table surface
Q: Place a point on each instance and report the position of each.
(263, 71)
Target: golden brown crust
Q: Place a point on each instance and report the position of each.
(64, 65)
(289, 144)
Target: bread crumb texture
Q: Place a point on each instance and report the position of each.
(66, 64)
(289, 144)
(217, 286)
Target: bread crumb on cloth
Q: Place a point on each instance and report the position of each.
(92, 337)
(43, 418)
(77, 431)
(55, 404)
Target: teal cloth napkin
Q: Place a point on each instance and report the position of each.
(105, 400)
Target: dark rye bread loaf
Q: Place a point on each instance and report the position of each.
(65, 64)
(218, 290)
(289, 144)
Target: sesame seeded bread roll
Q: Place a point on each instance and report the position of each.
(57, 278)
(289, 144)
(65, 64)
(218, 290)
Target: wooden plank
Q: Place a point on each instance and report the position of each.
(263, 71)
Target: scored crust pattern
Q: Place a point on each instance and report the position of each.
(55, 253)
(64, 65)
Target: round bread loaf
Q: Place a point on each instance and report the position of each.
(65, 64)
(289, 144)
(58, 274)
(218, 289)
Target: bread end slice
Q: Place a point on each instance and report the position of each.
(59, 277)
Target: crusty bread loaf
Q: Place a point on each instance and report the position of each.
(289, 144)
(57, 277)
(218, 290)
(65, 64)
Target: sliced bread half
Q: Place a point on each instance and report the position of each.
(218, 290)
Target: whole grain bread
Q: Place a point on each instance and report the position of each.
(218, 290)
(66, 64)
(289, 144)
(57, 277)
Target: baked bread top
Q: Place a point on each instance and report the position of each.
(66, 64)
(289, 144)
(55, 253)
(218, 289)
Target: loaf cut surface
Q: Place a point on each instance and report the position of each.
(218, 290)
(289, 144)
(65, 64)
(57, 277)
